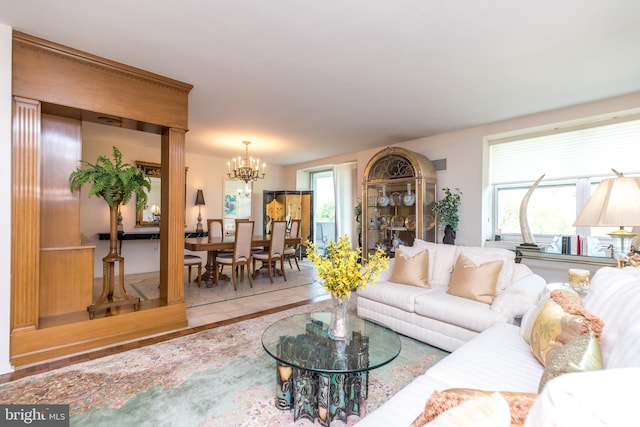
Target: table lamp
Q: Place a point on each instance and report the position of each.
(199, 202)
(615, 203)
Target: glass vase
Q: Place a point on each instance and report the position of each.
(338, 328)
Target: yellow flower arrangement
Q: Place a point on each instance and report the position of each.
(341, 270)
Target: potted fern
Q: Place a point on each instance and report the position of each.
(115, 182)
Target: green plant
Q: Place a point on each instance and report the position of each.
(446, 209)
(113, 181)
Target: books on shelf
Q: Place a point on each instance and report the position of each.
(574, 245)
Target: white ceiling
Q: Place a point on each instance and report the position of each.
(306, 79)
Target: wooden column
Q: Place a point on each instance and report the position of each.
(25, 214)
(172, 214)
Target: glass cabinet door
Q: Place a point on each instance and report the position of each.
(398, 194)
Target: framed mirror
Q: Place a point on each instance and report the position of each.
(236, 203)
(149, 215)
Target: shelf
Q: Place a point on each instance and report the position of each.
(154, 235)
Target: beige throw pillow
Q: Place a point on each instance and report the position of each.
(476, 282)
(411, 267)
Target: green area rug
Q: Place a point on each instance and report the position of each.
(219, 377)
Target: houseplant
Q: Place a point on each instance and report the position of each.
(342, 271)
(446, 213)
(115, 182)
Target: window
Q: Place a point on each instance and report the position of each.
(573, 160)
(324, 207)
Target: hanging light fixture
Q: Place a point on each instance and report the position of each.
(247, 169)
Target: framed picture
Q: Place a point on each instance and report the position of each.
(230, 205)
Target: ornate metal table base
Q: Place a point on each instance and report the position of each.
(326, 397)
(323, 396)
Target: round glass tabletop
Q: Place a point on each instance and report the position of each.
(302, 341)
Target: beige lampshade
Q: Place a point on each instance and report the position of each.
(615, 203)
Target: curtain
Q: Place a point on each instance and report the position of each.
(345, 190)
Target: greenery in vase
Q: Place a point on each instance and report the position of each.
(114, 181)
(446, 209)
(341, 269)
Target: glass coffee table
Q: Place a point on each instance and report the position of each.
(321, 378)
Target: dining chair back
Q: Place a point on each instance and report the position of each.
(292, 250)
(276, 250)
(215, 227)
(242, 255)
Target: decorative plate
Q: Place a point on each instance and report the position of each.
(429, 222)
(410, 222)
(397, 221)
(430, 198)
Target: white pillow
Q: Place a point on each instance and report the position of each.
(485, 411)
(442, 259)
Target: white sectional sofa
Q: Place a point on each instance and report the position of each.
(500, 359)
(431, 314)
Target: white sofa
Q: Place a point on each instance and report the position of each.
(499, 359)
(432, 315)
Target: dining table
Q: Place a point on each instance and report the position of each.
(215, 245)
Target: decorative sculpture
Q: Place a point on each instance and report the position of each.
(527, 237)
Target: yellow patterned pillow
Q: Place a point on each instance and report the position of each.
(411, 268)
(476, 282)
(560, 320)
(578, 355)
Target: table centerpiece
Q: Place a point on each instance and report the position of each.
(342, 270)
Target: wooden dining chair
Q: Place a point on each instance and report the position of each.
(215, 227)
(241, 255)
(276, 250)
(292, 250)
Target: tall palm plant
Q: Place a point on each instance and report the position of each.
(115, 182)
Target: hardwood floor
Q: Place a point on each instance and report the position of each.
(203, 317)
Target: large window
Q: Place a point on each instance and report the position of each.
(573, 161)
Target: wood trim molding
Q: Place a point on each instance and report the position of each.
(25, 214)
(172, 224)
(61, 75)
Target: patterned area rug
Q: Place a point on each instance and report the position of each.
(219, 377)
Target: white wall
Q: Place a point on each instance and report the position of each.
(5, 195)
(204, 172)
(465, 152)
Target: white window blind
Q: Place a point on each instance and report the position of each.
(582, 153)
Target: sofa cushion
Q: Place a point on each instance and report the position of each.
(462, 312)
(520, 296)
(394, 294)
(578, 355)
(476, 282)
(442, 258)
(441, 401)
(480, 255)
(488, 410)
(602, 398)
(614, 295)
(411, 267)
(560, 319)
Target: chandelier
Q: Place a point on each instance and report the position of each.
(247, 169)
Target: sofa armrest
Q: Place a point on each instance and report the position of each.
(519, 296)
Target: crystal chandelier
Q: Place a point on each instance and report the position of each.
(247, 169)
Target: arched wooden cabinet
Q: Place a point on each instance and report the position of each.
(399, 188)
